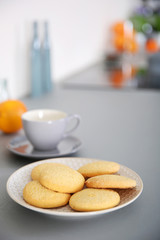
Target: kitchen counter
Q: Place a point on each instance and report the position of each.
(121, 126)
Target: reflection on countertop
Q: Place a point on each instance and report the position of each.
(115, 73)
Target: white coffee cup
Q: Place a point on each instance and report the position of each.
(45, 128)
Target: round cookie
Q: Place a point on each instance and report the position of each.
(36, 171)
(99, 168)
(61, 178)
(94, 199)
(37, 195)
(110, 181)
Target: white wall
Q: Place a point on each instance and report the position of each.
(78, 30)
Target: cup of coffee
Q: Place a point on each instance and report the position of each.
(45, 128)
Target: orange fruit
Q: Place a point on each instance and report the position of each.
(10, 115)
(119, 42)
(118, 28)
(131, 45)
(125, 44)
(151, 45)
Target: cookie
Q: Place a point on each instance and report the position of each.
(61, 178)
(36, 171)
(94, 199)
(99, 168)
(110, 181)
(37, 195)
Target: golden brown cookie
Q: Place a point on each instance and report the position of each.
(61, 178)
(36, 171)
(37, 195)
(94, 199)
(110, 181)
(99, 168)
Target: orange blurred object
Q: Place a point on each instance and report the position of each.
(10, 115)
(125, 44)
(119, 42)
(131, 45)
(151, 45)
(117, 78)
(118, 28)
(123, 39)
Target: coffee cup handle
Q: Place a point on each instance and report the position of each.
(70, 118)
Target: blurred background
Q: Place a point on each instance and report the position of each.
(123, 36)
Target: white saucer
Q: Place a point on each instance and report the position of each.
(21, 146)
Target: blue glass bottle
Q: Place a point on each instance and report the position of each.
(46, 61)
(36, 63)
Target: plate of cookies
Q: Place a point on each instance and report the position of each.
(74, 187)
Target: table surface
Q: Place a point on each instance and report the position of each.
(121, 126)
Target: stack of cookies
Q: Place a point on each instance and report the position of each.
(55, 185)
(52, 185)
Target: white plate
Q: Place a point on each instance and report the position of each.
(22, 176)
(19, 145)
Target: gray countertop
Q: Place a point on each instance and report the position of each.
(121, 126)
